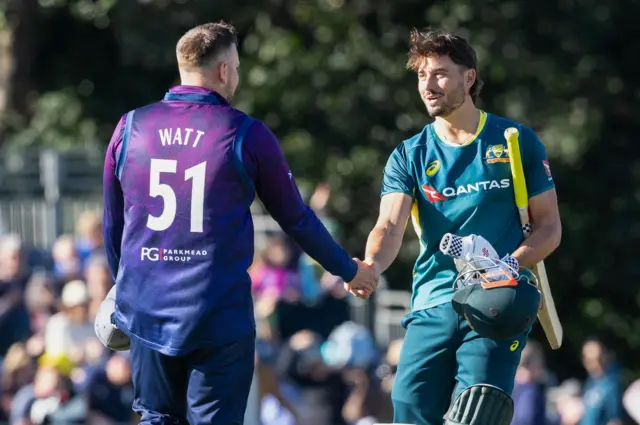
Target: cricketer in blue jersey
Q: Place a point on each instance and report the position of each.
(454, 176)
(180, 176)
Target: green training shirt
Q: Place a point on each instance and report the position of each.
(462, 189)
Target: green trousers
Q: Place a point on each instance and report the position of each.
(440, 357)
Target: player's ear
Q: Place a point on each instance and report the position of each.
(223, 71)
(469, 78)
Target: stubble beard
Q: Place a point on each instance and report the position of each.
(453, 101)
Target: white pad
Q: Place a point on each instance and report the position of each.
(108, 334)
(464, 249)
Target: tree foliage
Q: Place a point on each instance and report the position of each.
(329, 77)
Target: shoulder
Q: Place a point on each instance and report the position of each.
(419, 141)
(259, 140)
(255, 127)
(141, 110)
(257, 132)
(498, 124)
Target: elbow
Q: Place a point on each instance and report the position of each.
(555, 236)
(389, 229)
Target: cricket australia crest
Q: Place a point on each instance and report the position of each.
(497, 153)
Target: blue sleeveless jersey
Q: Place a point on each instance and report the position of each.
(180, 177)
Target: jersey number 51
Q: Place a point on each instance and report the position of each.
(196, 174)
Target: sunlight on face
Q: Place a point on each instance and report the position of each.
(229, 65)
(441, 84)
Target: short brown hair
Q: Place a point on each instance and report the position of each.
(201, 44)
(440, 43)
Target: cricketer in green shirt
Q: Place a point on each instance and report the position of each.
(455, 177)
(462, 189)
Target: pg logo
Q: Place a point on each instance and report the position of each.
(152, 254)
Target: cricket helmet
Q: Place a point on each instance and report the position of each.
(497, 300)
(106, 331)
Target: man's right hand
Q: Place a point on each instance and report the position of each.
(365, 281)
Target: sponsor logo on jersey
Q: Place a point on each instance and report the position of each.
(433, 168)
(547, 167)
(447, 193)
(171, 255)
(432, 194)
(514, 346)
(497, 153)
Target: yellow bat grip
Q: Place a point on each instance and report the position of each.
(517, 172)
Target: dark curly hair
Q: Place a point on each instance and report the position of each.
(440, 43)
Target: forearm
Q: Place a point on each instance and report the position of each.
(383, 246)
(314, 239)
(542, 242)
(274, 184)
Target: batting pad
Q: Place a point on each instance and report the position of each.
(481, 405)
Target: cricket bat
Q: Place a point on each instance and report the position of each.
(548, 316)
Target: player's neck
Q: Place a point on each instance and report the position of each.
(198, 80)
(461, 124)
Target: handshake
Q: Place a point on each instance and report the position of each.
(366, 279)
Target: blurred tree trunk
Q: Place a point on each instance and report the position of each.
(18, 40)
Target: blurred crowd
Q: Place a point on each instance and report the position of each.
(53, 368)
(600, 399)
(314, 364)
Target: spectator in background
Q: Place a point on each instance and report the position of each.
(602, 398)
(48, 396)
(68, 331)
(386, 373)
(351, 350)
(566, 404)
(270, 276)
(319, 390)
(99, 281)
(529, 389)
(330, 309)
(319, 202)
(89, 235)
(275, 407)
(40, 298)
(109, 392)
(14, 275)
(67, 265)
(18, 371)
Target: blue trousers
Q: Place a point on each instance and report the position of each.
(440, 357)
(207, 386)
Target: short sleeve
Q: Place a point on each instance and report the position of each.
(397, 177)
(535, 163)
